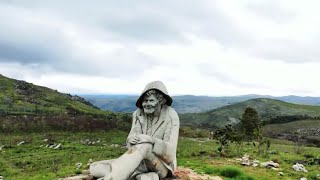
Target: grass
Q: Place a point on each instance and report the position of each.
(39, 100)
(33, 160)
(291, 126)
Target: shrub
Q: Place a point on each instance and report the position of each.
(210, 170)
(231, 172)
(245, 177)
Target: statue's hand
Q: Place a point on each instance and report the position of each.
(134, 140)
(145, 139)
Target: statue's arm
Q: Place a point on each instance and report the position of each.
(133, 131)
(166, 148)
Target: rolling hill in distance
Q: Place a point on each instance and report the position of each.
(269, 110)
(188, 103)
(23, 98)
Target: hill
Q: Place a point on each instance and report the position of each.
(269, 110)
(188, 103)
(20, 97)
(28, 107)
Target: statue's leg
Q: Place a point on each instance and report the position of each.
(100, 168)
(156, 165)
(123, 167)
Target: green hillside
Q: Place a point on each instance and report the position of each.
(20, 97)
(273, 111)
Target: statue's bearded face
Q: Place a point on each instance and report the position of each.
(150, 104)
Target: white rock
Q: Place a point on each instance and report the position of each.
(22, 142)
(78, 165)
(45, 140)
(256, 161)
(299, 167)
(303, 178)
(90, 161)
(280, 173)
(270, 164)
(114, 145)
(1, 147)
(51, 146)
(58, 146)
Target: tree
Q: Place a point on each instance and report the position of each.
(226, 136)
(250, 122)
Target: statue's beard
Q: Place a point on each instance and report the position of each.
(150, 109)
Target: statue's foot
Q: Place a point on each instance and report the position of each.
(100, 169)
(148, 176)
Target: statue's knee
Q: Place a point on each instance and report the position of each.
(143, 146)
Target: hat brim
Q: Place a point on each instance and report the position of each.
(140, 99)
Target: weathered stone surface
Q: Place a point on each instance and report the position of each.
(148, 176)
(270, 164)
(155, 128)
(299, 167)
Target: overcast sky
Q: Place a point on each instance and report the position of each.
(195, 47)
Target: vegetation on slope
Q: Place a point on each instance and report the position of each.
(268, 110)
(28, 107)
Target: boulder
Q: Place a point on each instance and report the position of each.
(270, 164)
(245, 160)
(255, 163)
(299, 167)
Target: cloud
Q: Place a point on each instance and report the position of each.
(209, 42)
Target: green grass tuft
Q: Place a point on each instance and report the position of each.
(231, 172)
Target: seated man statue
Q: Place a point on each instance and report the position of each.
(152, 141)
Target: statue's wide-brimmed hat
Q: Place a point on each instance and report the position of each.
(157, 85)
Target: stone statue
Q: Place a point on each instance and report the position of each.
(152, 141)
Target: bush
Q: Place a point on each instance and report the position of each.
(244, 177)
(231, 172)
(210, 170)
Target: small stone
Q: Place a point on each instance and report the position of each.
(90, 161)
(270, 164)
(45, 140)
(256, 161)
(303, 178)
(20, 143)
(255, 165)
(299, 167)
(1, 147)
(78, 165)
(58, 146)
(280, 173)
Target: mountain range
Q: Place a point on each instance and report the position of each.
(269, 110)
(189, 103)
